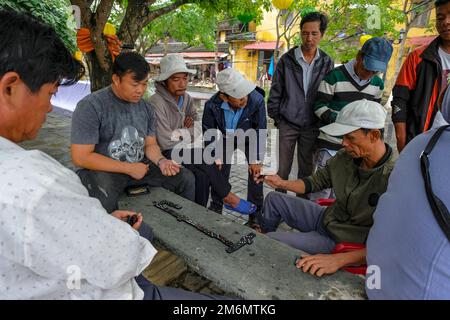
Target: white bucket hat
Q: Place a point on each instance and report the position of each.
(359, 114)
(171, 64)
(234, 84)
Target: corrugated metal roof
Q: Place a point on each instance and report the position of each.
(265, 45)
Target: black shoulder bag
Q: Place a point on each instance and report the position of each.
(439, 209)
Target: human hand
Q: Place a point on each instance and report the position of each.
(123, 215)
(188, 122)
(169, 167)
(218, 163)
(255, 169)
(274, 181)
(320, 264)
(137, 170)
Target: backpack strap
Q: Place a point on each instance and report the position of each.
(439, 209)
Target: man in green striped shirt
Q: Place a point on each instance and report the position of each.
(355, 80)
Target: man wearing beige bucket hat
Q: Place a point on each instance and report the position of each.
(174, 107)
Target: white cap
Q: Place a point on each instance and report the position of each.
(361, 114)
(171, 64)
(234, 84)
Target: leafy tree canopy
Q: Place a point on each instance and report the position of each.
(56, 13)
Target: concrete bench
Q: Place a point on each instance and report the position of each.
(262, 270)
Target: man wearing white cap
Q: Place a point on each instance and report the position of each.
(358, 174)
(239, 104)
(176, 116)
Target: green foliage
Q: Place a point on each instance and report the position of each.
(189, 24)
(194, 23)
(234, 8)
(348, 20)
(56, 13)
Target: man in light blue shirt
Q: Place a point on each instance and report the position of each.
(239, 105)
(297, 76)
(231, 117)
(307, 67)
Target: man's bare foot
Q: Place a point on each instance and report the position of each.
(232, 200)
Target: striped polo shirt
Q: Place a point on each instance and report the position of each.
(338, 89)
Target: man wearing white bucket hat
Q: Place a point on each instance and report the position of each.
(358, 174)
(176, 116)
(237, 108)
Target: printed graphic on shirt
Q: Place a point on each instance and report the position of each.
(445, 61)
(129, 148)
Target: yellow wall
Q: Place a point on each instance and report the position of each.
(413, 32)
(265, 31)
(242, 62)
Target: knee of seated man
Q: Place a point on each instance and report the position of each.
(271, 197)
(187, 177)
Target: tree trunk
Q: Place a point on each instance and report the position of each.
(99, 77)
(401, 51)
(275, 52)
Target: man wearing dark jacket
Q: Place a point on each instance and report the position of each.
(293, 92)
(238, 108)
(420, 82)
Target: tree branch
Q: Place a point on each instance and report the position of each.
(102, 13)
(161, 11)
(131, 24)
(86, 13)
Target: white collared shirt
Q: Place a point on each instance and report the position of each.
(350, 67)
(55, 241)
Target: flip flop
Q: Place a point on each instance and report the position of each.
(244, 207)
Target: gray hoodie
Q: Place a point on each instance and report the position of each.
(169, 118)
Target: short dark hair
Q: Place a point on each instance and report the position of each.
(35, 52)
(131, 62)
(316, 16)
(366, 132)
(439, 3)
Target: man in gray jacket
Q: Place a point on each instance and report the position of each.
(293, 92)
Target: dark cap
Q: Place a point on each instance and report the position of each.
(377, 53)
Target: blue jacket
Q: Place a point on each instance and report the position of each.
(253, 116)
